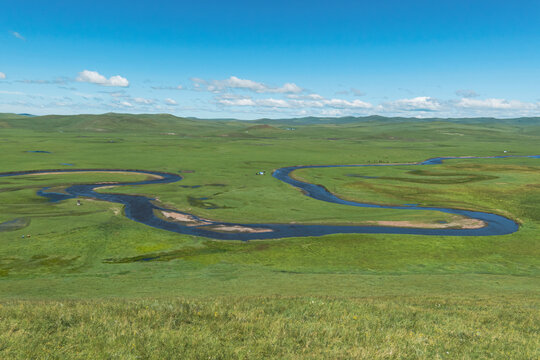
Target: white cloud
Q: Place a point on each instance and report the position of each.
(18, 35)
(306, 103)
(245, 101)
(346, 104)
(126, 104)
(170, 101)
(288, 88)
(233, 96)
(421, 103)
(94, 77)
(332, 112)
(237, 102)
(273, 103)
(301, 103)
(140, 100)
(2, 75)
(234, 82)
(305, 97)
(496, 104)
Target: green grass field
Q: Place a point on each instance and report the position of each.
(76, 288)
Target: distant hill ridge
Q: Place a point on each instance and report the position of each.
(174, 125)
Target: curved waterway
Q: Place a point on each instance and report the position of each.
(142, 209)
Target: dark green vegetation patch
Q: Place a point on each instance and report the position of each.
(433, 177)
(15, 224)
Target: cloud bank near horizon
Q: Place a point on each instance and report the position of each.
(243, 98)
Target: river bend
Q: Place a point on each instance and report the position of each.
(142, 209)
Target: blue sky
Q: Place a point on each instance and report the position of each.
(252, 59)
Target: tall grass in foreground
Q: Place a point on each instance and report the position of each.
(272, 328)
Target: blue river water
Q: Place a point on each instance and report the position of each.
(142, 209)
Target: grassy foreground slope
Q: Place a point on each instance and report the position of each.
(76, 286)
(277, 328)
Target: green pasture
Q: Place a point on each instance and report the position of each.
(81, 270)
(271, 328)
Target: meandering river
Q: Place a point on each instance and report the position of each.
(143, 209)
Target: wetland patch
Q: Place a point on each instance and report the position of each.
(15, 224)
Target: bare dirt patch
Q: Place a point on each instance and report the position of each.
(184, 218)
(458, 223)
(238, 228)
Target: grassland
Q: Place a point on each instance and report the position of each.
(271, 327)
(76, 287)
